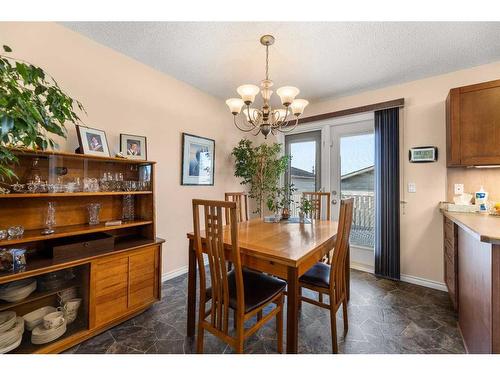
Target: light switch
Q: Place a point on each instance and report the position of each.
(412, 187)
(459, 189)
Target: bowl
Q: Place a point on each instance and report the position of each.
(17, 290)
(35, 317)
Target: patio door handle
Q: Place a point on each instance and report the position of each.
(334, 201)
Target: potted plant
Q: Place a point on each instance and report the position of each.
(32, 109)
(259, 167)
(287, 200)
(305, 209)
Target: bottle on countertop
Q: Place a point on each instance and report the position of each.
(481, 200)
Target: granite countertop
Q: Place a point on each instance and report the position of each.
(484, 227)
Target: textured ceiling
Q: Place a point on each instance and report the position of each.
(323, 59)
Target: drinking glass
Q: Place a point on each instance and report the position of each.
(94, 210)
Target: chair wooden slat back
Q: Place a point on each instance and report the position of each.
(241, 200)
(316, 198)
(337, 270)
(214, 245)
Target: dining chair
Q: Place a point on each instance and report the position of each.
(244, 291)
(316, 198)
(241, 199)
(331, 279)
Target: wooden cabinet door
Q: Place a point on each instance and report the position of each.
(109, 293)
(143, 277)
(473, 125)
(480, 124)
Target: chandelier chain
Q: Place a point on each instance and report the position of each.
(267, 62)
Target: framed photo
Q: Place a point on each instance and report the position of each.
(92, 141)
(198, 160)
(133, 146)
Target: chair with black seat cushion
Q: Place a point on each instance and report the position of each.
(331, 279)
(244, 291)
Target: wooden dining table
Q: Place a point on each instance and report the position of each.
(286, 250)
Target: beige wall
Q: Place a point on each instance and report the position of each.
(423, 124)
(122, 95)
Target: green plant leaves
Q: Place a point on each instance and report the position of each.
(31, 109)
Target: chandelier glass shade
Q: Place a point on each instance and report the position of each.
(266, 119)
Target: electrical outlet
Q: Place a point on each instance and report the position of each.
(412, 187)
(459, 189)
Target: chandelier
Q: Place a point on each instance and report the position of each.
(266, 119)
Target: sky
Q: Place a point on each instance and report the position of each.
(356, 152)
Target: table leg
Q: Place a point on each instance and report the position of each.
(191, 299)
(348, 273)
(292, 320)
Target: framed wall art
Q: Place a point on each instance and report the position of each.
(198, 160)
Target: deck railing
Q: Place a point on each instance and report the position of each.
(363, 226)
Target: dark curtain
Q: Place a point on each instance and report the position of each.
(387, 193)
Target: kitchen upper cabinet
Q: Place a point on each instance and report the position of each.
(473, 125)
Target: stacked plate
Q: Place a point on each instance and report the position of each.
(7, 320)
(12, 337)
(17, 290)
(35, 318)
(41, 335)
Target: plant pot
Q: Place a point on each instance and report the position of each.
(285, 214)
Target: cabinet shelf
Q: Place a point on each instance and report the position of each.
(70, 230)
(79, 194)
(35, 296)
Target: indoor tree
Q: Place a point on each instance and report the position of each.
(32, 109)
(259, 167)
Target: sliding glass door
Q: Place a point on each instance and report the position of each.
(304, 170)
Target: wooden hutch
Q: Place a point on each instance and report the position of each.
(114, 284)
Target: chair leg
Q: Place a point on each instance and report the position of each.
(320, 297)
(239, 334)
(235, 320)
(279, 326)
(344, 314)
(199, 341)
(299, 300)
(333, 324)
(259, 316)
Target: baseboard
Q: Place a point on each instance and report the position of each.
(174, 273)
(406, 278)
(424, 282)
(357, 266)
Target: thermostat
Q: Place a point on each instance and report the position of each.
(426, 154)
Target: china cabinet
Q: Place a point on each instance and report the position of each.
(114, 266)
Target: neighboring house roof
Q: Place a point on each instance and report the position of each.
(355, 173)
(297, 172)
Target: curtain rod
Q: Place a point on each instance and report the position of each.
(352, 111)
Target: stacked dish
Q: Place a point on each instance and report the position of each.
(34, 318)
(41, 335)
(66, 295)
(7, 320)
(70, 309)
(17, 290)
(12, 337)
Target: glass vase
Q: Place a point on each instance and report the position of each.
(94, 210)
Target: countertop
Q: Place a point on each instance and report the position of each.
(484, 227)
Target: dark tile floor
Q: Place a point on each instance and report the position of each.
(384, 317)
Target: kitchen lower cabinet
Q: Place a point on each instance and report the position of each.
(123, 283)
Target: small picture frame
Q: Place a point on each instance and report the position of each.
(134, 146)
(198, 160)
(92, 141)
